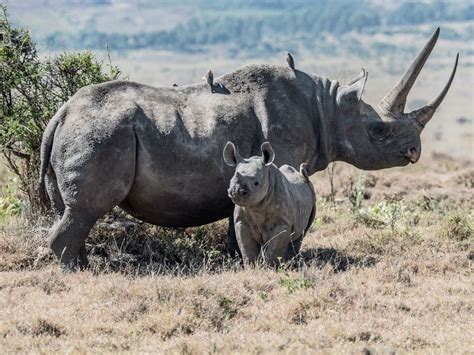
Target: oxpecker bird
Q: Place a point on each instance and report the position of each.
(209, 77)
(290, 61)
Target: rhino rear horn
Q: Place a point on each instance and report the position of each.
(425, 113)
(350, 95)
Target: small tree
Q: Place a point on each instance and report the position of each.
(31, 91)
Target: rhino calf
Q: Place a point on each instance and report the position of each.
(274, 207)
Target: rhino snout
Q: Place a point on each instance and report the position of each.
(237, 192)
(413, 154)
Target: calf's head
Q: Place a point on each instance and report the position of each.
(383, 136)
(251, 180)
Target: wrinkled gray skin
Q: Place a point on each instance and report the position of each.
(157, 151)
(273, 207)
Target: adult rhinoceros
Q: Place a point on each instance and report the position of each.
(157, 151)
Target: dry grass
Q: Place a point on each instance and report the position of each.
(389, 268)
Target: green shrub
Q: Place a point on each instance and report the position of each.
(381, 215)
(32, 88)
(457, 227)
(295, 283)
(10, 203)
(357, 193)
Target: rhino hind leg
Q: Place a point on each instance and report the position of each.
(69, 235)
(90, 186)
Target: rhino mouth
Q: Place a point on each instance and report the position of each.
(238, 196)
(409, 159)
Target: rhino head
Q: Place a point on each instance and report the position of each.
(251, 180)
(383, 136)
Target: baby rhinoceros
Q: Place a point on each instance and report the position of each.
(274, 207)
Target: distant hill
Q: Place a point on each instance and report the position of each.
(254, 28)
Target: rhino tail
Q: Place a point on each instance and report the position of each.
(311, 219)
(305, 175)
(304, 171)
(45, 154)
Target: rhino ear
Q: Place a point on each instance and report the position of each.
(231, 155)
(348, 96)
(268, 155)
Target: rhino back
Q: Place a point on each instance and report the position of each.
(180, 176)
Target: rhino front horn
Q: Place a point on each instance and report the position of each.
(394, 102)
(425, 113)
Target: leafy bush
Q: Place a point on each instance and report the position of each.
(457, 228)
(10, 203)
(31, 91)
(357, 193)
(295, 283)
(381, 215)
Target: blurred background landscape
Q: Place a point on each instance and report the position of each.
(166, 42)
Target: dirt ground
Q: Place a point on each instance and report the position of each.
(387, 267)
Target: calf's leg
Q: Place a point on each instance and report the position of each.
(275, 250)
(247, 244)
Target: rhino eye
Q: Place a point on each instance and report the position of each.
(256, 183)
(379, 131)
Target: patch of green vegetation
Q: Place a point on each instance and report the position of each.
(10, 203)
(228, 308)
(295, 283)
(457, 227)
(357, 193)
(383, 214)
(263, 295)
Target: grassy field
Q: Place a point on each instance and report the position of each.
(387, 267)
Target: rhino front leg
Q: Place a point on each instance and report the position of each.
(276, 248)
(294, 248)
(247, 244)
(232, 245)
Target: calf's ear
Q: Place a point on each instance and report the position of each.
(350, 95)
(230, 154)
(268, 155)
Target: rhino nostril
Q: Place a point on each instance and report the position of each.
(413, 154)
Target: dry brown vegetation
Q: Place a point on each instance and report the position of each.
(387, 267)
